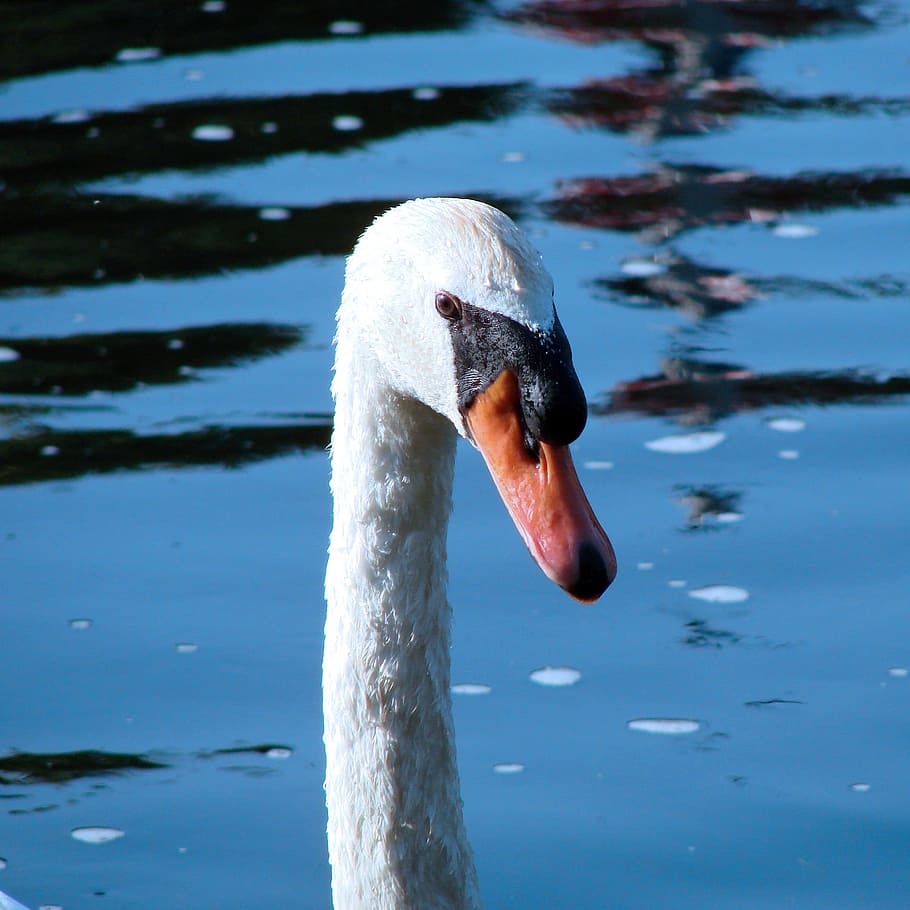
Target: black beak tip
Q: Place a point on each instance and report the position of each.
(595, 573)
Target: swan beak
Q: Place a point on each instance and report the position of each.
(543, 494)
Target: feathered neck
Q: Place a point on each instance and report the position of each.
(396, 834)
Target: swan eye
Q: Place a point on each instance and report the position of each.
(448, 306)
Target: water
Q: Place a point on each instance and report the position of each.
(721, 193)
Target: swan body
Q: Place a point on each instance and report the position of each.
(446, 327)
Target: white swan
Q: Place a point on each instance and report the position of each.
(446, 327)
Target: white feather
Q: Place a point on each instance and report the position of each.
(7, 903)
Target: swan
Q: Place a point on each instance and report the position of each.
(446, 327)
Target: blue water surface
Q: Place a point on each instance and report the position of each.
(754, 165)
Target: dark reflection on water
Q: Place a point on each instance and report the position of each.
(28, 768)
(23, 411)
(23, 768)
(674, 198)
(657, 104)
(771, 702)
(46, 454)
(682, 284)
(44, 153)
(702, 292)
(708, 391)
(71, 240)
(259, 749)
(700, 634)
(664, 21)
(119, 361)
(48, 36)
(707, 502)
(700, 80)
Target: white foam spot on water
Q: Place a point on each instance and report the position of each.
(96, 835)
(642, 268)
(645, 566)
(17, 906)
(274, 213)
(137, 54)
(720, 594)
(347, 123)
(508, 767)
(513, 157)
(8, 355)
(346, 27)
(860, 787)
(794, 231)
(676, 583)
(471, 689)
(727, 518)
(213, 6)
(193, 74)
(175, 344)
(50, 451)
(788, 454)
(269, 127)
(279, 752)
(599, 465)
(555, 676)
(425, 93)
(688, 443)
(186, 647)
(899, 672)
(77, 115)
(3, 866)
(80, 624)
(786, 424)
(664, 726)
(213, 132)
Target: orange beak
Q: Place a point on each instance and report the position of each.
(543, 496)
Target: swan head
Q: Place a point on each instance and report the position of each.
(456, 308)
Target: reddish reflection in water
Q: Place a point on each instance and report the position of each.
(679, 283)
(738, 23)
(662, 103)
(700, 78)
(696, 392)
(674, 198)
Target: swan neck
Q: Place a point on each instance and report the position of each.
(395, 828)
